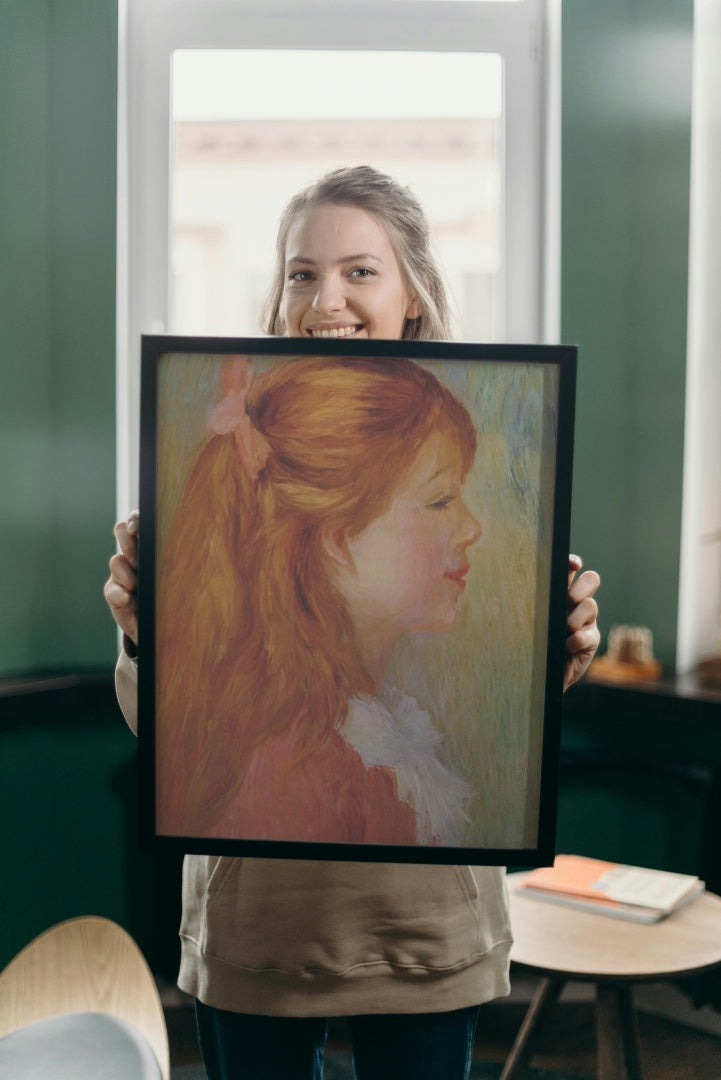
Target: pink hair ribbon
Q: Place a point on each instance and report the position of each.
(230, 416)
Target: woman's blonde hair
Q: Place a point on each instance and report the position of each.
(252, 634)
(401, 214)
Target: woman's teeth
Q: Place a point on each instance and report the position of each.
(337, 331)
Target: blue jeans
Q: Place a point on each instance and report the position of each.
(415, 1046)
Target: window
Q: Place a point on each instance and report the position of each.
(699, 623)
(227, 105)
(236, 160)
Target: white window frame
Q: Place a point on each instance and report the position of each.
(699, 597)
(526, 34)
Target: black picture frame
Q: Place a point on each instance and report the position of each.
(492, 683)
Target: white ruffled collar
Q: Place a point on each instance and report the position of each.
(393, 731)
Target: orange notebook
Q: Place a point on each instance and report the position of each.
(631, 892)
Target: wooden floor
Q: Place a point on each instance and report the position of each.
(567, 1042)
(669, 1051)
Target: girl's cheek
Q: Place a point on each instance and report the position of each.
(422, 551)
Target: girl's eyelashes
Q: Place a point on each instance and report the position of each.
(362, 272)
(300, 276)
(442, 503)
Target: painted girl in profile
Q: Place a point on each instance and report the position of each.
(324, 519)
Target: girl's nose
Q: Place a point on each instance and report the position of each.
(470, 528)
(329, 296)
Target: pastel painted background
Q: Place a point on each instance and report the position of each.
(482, 681)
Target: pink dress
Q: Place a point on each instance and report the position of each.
(378, 780)
(327, 796)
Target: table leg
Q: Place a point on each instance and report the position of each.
(544, 999)
(617, 1033)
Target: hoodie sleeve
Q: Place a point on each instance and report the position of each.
(126, 688)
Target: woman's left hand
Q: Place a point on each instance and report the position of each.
(583, 635)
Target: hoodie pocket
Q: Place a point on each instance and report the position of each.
(295, 916)
(468, 883)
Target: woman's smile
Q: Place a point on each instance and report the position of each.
(324, 331)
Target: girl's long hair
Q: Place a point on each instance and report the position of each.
(402, 216)
(252, 635)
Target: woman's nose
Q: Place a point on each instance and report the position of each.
(329, 295)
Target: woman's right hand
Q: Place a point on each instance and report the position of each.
(121, 587)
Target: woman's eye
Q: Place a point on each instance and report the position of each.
(362, 272)
(300, 276)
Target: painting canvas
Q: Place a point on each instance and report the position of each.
(352, 597)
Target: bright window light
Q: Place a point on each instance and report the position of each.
(434, 121)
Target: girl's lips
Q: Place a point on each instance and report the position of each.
(334, 331)
(459, 576)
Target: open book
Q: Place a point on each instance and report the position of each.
(608, 888)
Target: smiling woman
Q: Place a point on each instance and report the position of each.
(296, 467)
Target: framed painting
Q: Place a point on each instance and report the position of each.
(352, 597)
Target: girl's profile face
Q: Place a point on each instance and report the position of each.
(406, 571)
(342, 277)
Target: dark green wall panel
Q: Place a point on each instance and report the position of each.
(25, 393)
(68, 799)
(626, 146)
(641, 777)
(60, 787)
(58, 78)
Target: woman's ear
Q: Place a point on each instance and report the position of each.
(335, 546)
(415, 309)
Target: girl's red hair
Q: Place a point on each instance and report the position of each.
(252, 635)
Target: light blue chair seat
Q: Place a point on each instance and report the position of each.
(79, 1002)
(78, 1046)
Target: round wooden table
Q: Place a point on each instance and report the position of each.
(562, 944)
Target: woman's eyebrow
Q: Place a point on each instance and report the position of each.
(363, 256)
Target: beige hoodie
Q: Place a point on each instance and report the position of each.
(284, 937)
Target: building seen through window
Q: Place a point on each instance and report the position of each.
(231, 175)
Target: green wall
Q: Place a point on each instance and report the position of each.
(69, 806)
(625, 200)
(626, 137)
(67, 761)
(58, 74)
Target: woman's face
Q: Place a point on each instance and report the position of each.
(342, 277)
(406, 571)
